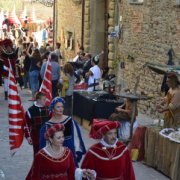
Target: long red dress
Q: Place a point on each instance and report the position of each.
(46, 167)
(109, 163)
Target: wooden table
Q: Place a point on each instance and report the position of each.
(162, 154)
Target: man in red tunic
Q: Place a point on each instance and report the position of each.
(7, 55)
(110, 158)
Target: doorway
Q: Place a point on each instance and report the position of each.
(99, 30)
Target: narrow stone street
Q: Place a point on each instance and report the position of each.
(17, 167)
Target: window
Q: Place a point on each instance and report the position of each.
(69, 40)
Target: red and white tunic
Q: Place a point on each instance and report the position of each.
(45, 167)
(110, 163)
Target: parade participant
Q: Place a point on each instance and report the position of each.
(55, 161)
(73, 139)
(170, 105)
(7, 55)
(109, 158)
(55, 72)
(36, 116)
(94, 74)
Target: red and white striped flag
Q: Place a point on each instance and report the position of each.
(46, 86)
(16, 115)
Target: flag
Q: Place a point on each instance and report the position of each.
(15, 113)
(46, 86)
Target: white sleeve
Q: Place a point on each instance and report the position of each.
(78, 174)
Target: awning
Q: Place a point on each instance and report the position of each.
(163, 69)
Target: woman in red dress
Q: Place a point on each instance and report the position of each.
(55, 162)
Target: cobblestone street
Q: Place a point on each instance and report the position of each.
(17, 167)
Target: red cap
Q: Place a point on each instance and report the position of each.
(101, 126)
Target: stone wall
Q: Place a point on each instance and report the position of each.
(68, 19)
(87, 26)
(111, 24)
(148, 32)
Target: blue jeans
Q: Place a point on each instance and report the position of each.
(34, 80)
(26, 79)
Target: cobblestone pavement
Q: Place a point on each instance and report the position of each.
(17, 167)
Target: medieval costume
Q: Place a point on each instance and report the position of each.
(172, 116)
(111, 162)
(46, 167)
(73, 139)
(36, 116)
(7, 55)
(54, 164)
(170, 104)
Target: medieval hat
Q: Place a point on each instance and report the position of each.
(55, 101)
(100, 127)
(53, 129)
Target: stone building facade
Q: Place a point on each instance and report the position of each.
(89, 22)
(68, 26)
(149, 29)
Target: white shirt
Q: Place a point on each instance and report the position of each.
(75, 59)
(96, 74)
(109, 145)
